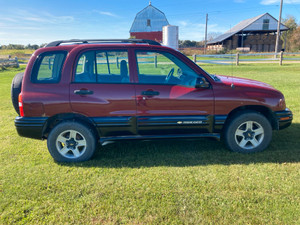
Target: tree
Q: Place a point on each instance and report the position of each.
(34, 47)
(213, 35)
(290, 22)
(190, 44)
(43, 45)
(295, 40)
(21, 47)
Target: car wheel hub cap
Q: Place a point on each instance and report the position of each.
(249, 135)
(71, 144)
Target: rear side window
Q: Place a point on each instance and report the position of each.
(47, 68)
(102, 67)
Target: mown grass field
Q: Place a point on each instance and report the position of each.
(163, 182)
(15, 52)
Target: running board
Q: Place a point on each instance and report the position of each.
(155, 137)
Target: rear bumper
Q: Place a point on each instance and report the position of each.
(31, 127)
(284, 118)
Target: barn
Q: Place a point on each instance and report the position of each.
(257, 34)
(148, 24)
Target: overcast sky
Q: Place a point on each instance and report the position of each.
(41, 21)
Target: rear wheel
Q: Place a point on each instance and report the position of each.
(16, 86)
(71, 142)
(248, 133)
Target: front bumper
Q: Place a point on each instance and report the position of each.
(284, 118)
(31, 127)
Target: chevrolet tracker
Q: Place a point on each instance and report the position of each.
(77, 93)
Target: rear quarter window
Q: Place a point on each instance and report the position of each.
(48, 66)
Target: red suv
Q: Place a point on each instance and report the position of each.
(79, 92)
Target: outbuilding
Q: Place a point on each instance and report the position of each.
(148, 24)
(257, 34)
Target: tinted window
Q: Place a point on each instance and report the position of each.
(47, 68)
(85, 69)
(102, 67)
(164, 68)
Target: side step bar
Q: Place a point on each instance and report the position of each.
(154, 137)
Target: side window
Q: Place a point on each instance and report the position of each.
(47, 68)
(103, 67)
(85, 69)
(163, 68)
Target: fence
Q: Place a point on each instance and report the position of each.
(7, 62)
(224, 59)
(229, 59)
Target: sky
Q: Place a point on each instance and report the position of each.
(39, 21)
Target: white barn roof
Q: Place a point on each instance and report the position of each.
(253, 24)
(150, 19)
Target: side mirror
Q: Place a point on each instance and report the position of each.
(202, 83)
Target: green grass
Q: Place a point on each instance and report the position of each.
(16, 52)
(163, 182)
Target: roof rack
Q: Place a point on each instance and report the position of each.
(87, 41)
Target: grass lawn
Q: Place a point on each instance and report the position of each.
(162, 182)
(15, 52)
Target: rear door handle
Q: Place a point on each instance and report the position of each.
(150, 93)
(83, 92)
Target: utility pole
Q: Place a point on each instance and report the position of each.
(205, 42)
(278, 29)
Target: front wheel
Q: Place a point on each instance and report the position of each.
(248, 133)
(71, 142)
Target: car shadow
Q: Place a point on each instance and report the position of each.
(284, 148)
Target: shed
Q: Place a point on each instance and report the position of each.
(254, 34)
(148, 24)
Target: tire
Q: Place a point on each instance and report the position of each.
(248, 133)
(16, 86)
(71, 142)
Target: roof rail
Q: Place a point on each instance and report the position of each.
(86, 41)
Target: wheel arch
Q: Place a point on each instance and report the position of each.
(265, 111)
(59, 118)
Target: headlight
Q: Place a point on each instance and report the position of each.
(281, 103)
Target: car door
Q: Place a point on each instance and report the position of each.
(102, 90)
(168, 101)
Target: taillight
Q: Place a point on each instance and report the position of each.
(21, 105)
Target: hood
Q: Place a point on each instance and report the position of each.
(243, 82)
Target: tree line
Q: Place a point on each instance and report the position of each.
(190, 44)
(21, 47)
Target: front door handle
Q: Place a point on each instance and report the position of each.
(83, 92)
(150, 93)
